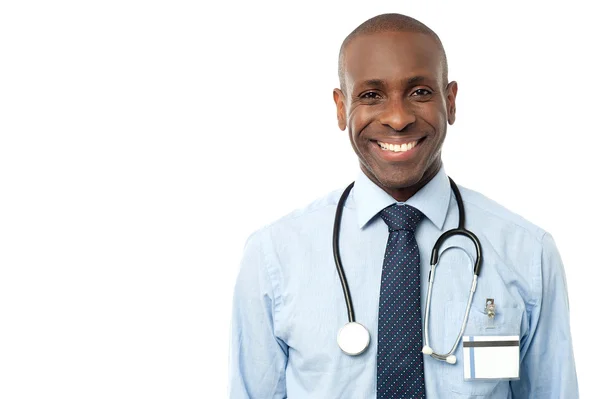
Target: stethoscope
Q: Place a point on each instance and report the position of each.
(353, 338)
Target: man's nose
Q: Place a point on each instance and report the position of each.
(397, 114)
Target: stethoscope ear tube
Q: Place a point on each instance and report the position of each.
(460, 230)
(449, 357)
(438, 244)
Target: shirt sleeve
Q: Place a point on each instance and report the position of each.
(547, 362)
(257, 357)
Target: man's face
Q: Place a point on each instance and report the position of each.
(396, 108)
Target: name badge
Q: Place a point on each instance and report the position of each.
(491, 357)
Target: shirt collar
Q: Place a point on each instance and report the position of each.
(432, 199)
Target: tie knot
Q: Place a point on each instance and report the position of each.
(401, 217)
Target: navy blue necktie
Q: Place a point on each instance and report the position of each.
(399, 359)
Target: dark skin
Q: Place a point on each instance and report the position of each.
(395, 93)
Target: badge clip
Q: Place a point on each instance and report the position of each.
(490, 310)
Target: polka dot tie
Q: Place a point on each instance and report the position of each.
(399, 359)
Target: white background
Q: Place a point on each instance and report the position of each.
(141, 142)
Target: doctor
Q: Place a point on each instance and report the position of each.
(395, 101)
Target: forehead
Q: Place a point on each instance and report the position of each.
(392, 57)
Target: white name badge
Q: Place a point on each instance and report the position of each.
(491, 357)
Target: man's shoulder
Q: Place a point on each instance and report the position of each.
(324, 204)
(320, 210)
(486, 208)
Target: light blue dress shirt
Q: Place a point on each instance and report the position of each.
(289, 305)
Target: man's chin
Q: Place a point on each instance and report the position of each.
(397, 179)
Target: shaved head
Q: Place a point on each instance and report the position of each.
(389, 23)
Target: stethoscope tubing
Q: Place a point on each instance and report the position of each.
(336, 252)
(435, 253)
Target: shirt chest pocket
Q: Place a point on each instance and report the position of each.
(507, 321)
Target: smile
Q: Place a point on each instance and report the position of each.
(398, 147)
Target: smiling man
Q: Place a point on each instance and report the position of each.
(503, 334)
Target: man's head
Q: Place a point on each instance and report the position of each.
(395, 94)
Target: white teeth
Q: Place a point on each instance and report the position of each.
(397, 147)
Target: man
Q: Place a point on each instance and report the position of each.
(396, 101)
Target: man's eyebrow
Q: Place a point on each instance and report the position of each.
(379, 83)
(416, 79)
(374, 82)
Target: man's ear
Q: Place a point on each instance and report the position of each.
(451, 91)
(340, 105)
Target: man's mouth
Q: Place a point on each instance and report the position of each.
(398, 147)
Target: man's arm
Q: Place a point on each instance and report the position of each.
(257, 357)
(547, 365)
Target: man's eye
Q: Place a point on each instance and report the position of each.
(370, 95)
(421, 92)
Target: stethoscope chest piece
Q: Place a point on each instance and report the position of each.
(353, 338)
